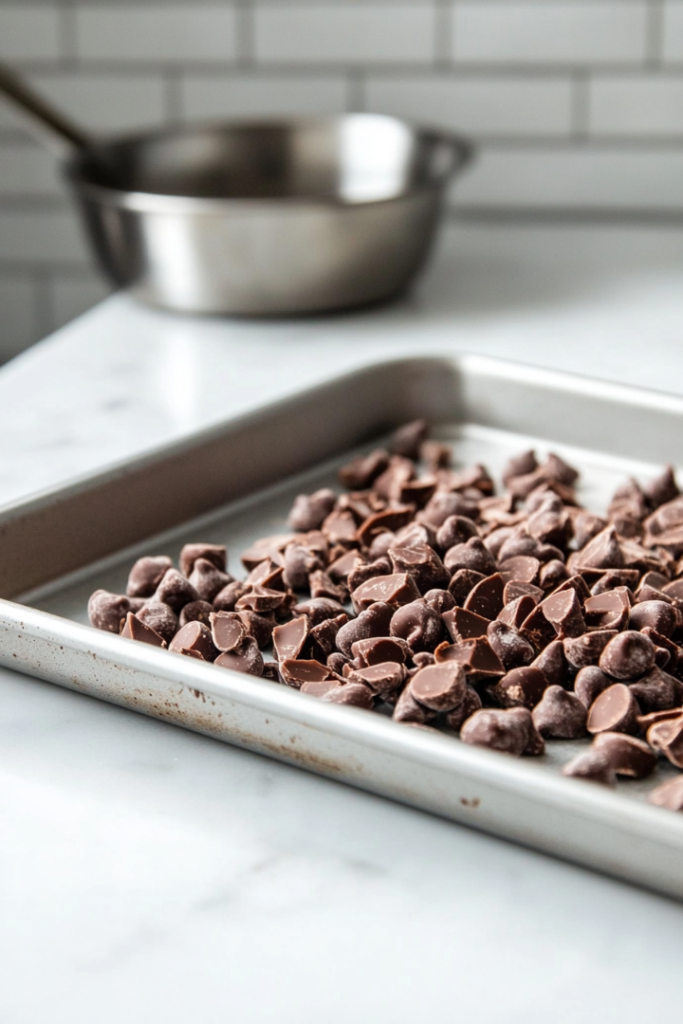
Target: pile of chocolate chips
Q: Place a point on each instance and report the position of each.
(509, 618)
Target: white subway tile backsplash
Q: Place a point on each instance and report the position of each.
(19, 322)
(636, 105)
(41, 236)
(72, 294)
(27, 169)
(262, 96)
(351, 33)
(495, 105)
(104, 103)
(567, 178)
(156, 32)
(673, 30)
(29, 32)
(549, 32)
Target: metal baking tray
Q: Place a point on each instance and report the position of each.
(235, 482)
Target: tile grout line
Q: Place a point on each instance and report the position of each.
(654, 35)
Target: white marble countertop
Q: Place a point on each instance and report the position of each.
(150, 874)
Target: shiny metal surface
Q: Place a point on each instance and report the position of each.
(487, 409)
(267, 218)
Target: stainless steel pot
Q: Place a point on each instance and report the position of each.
(262, 218)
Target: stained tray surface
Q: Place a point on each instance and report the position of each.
(238, 525)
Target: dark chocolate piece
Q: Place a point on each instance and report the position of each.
(471, 702)
(323, 637)
(537, 630)
(406, 440)
(318, 609)
(609, 610)
(471, 555)
(514, 613)
(410, 711)
(207, 580)
(668, 795)
(613, 578)
(515, 589)
(657, 691)
(662, 489)
(310, 510)
(146, 575)
(435, 454)
(486, 597)
(294, 672)
(463, 625)
(376, 650)
(356, 695)
(383, 678)
(509, 644)
(290, 637)
(521, 687)
(300, 561)
(520, 465)
(455, 530)
(445, 504)
(439, 687)
(510, 732)
(614, 710)
(396, 589)
(217, 554)
(553, 663)
(365, 571)
(627, 756)
(423, 564)
(260, 600)
(159, 617)
(602, 552)
(585, 650)
(319, 688)
(563, 611)
(658, 614)
(342, 567)
(135, 629)
(590, 683)
(175, 591)
(391, 520)
(591, 766)
(361, 472)
(667, 737)
(228, 597)
(227, 630)
(108, 611)
(462, 583)
(560, 715)
(193, 638)
(372, 622)
(439, 600)
(628, 655)
(195, 611)
(418, 624)
(476, 656)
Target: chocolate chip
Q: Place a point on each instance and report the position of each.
(395, 590)
(228, 597)
(510, 732)
(410, 711)
(591, 766)
(310, 510)
(407, 439)
(418, 624)
(609, 610)
(662, 489)
(268, 574)
(146, 575)
(585, 650)
(159, 617)
(135, 629)
(471, 702)
(376, 650)
(537, 630)
(552, 574)
(323, 637)
(294, 672)
(336, 662)
(520, 465)
(674, 590)
(602, 552)
(372, 622)
(398, 473)
(260, 627)
(668, 795)
(319, 688)
(207, 580)
(661, 616)
(439, 687)
(552, 662)
(435, 454)
(361, 472)
(614, 710)
(356, 695)
(290, 637)
(320, 585)
(462, 583)
(514, 613)
(657, 691)
(445, 504)
(413, 535)
(613, 578)
(629, 655)
(318, 609)
(627, 756)
(340, 527)
(175, 591)
(260, 600)
(563, 611)
(486, 597)
(439, 600)
(590, 683)
(107, 611)
(515, 589)
(383, 678)
(300, 561)
(455, 530)
(560, 715)
(195, 611)
(341, 568)
(423, 564)
(195, 637)
(521, 687)
(462, 625)
(667, 737)
(510, 646)
(470, 555)
(476, 656)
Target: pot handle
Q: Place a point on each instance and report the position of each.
(60, 133)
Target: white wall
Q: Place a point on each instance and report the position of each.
(576, 104)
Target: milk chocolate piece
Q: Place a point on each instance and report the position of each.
(439, 687)
(515, 613)
(318, 609)
(146, 575)
(207, 580)
(552, 662)
(382, 678)
(135, 629)
(560, 715)
(509, 644)
(658, 614)
(628, 756)
(194, 638)
(455, 530)
(159, 617)
(486, 597)
(323, 637)
(629, 655)
(521, 687)
(462, 583)
(310, 510)
(585, 650)
(471, 702)
(107, 611)
(514, 589)
(463, 625)
(395, 590)
(510, 732)
(423, 564)
(195, 611)
(361, 472)
(667, 737)
(609, 610)
(668, 795)
(590, 683)
(614, 710)
(563, 611)
(228, 597)
(418, 624)
(591, 766)
(476, 656)
(657, 691)
(175, 591)
(406, 440)
(471, 555)
(294, 672)
(217, 554)
(372, 622)
(290, 637)
(376, 650)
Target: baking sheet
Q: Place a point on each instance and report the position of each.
(527, 800)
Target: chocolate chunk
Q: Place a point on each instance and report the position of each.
(439, 600)
(398, 473)
(323, 637)
(356, 695)
(515, 589)
(590, 683)
(193, 638)
(662, 489)
(647, 593)
(657, 691)
(318, 609)
(462, 582)
(656, 580)
(476, 656)
(462, 625)
(228, 597)
(471, 702)
(294, 672)
(395, 590)
(417, 492)
(521, 687)
(383, 678)
(227, 630)
(410, 711)
(207, 580)
(613, 578)
(668, 795)
(423, 564)
(627, 756)
(497, 537)
(515, 613)
(310, 510)
(602, 552)
(658, 614)
(217, 554)
(578, 584)
(320, 585)
(667, 737)
(413, 535)
(520, 465)
(300, 561)
(360, 473)
(486, 597)
(266, 547)
(376, 650)
(455, 530)
(260, 600)
(107, 611)
(290, 637)
(435, 454)
(336, 662)
(549, 526)
(342, 567)
(510, 646)
(560, 715)
(389, 520)
(340, 527)
(614, 710)
(372, 622)
(645, 721)
(552, 662)
(260, 627)
(552, 574)
(175, 591)
(563, 611)
(585, 650)
(673, 590)
(267, 574)
(510, 732)
(407, 439)
(609, 610)
(591, 766)
(629, 655)
(245, 658)
(470, 555)
(195, 611)
(445, 504)
(586, 526)
(135, 629)
(380, 546)
(320, 688)
(368, 571)
(537, 630)
(159, 617)
(418, 624)
(439, 687)
(146, 575)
